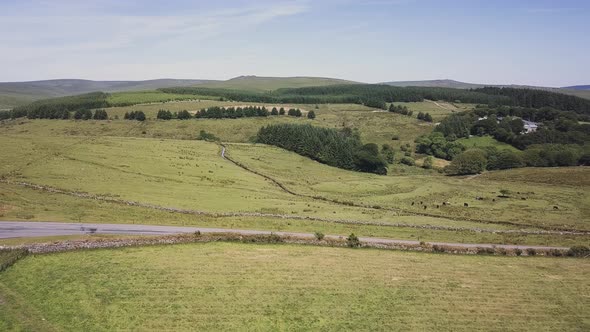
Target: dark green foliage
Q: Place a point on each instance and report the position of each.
(205, 136)
(408, 161)
(274, 111)
(376, 103)
(374, 95)
(294, 112)
(83, 115)
(400, 110)
(472, 161)
(100, 115)
(539, 98)
(59, 108)
(456, 125)
(388, 153)
(311, 115)
(339, 148)
(282, 111)
(135, 115)
(367, 159)
(183, 115)
(424, 117)
(217, 112)
(319, 236)
(437, 145)
(164, 115)
(353, 241)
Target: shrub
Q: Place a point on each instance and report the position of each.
(319, 236)
(531, 252)
(408, 161)
(428, 162)
(311, 115)
(472, 161)
(353, 241)
(205, 136)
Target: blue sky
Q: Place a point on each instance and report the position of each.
(521, 42)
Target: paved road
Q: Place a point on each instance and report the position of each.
(19, 229)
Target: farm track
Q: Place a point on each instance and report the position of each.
(281, 216)
(398, 211)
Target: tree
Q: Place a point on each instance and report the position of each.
(100, 115)
(367, 159)
(427, 117)
(311, 115)
(140, 116)
(183, 115)
(282, 111)
(472, 161)
(164, 115)
(388, 153)
(274, 111)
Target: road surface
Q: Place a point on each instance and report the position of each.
(20, 229)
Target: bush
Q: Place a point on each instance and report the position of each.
(311, 115)
(408, 161)
(472, 161)
(205, 136)
(428, 163)
(353, 241)
(319, 236)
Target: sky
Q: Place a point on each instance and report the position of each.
(534, 42)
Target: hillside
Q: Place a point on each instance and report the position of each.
(19, 93)
(259, 83)
(582, 91)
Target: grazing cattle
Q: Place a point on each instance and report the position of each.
(424, 207)
(465, 205)
(446, 203)
(523, 198)
(437, 206)
(493, 199)
(421, 202)
(478, 198)
(412, 203)
(555, 207)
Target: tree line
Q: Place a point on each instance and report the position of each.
(477, 160)
(216, 112)
(338, 148)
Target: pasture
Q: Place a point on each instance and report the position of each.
(232, 286)
(192, 175)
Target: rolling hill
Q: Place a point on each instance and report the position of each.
(19, 93)
(259, 83)
(582, 91)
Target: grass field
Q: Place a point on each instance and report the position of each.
(192, 175)
(485, 141)
(142, 97)
(228, 286)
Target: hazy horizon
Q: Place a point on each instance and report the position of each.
(540, 43)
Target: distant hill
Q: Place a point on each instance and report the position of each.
(258, 83)
(582, 91)
(577, 87)
(19, 93)
(437, 84)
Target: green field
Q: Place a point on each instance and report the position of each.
(485, 141)
(143, 97)
(190, 174)
(227, 286)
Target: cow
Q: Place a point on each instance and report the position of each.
(555, 207)
(465, 205)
